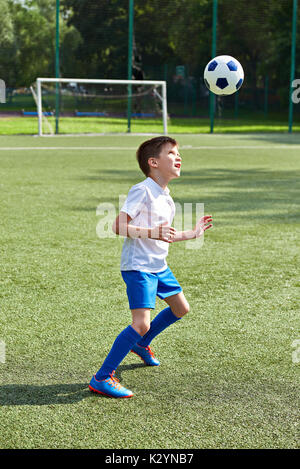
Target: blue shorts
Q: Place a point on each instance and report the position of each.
(142, 287)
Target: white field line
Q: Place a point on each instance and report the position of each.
(67, 148)
(183, 147)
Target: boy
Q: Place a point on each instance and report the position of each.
(145, 220)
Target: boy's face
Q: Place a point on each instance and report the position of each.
(169, 162)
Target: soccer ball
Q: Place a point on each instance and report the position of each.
(223, 75)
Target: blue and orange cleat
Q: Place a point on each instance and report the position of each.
(109, 387)
(146, 354)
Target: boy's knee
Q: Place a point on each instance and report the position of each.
(141, 327)
(183, 310)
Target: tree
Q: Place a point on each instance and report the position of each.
(259, 35)
(34, 28)
(27, 41)
(8, 50)
(94, 38)
(164, 31)
(103, 27)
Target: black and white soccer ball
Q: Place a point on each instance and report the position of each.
(223, 75)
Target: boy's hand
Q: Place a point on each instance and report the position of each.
(202, 225)
(163, 232)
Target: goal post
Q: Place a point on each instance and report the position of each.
(155, 90)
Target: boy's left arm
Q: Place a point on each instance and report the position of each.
(203, 224)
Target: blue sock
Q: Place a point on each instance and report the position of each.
(164, 319)
(121, 347)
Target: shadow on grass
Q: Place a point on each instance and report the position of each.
(282, 138)
(236, 178)
(242, 191)
(28, 394)
(95, 202)
(51, 394)
(133, 366)
(111, 176)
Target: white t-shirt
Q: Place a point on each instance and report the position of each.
(149, 205)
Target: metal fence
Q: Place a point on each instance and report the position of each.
(173, 41)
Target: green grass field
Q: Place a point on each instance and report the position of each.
(12, 125)
(227, 377)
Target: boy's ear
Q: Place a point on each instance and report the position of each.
(152, 162)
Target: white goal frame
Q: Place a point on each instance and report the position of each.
(162, 97)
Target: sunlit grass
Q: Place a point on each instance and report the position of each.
(227, 379)
(80, 125)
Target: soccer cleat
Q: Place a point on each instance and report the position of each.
(146, 354)
(109, 387)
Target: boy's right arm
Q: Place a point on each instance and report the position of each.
(122, 227)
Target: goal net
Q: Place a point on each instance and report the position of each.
(77, 106)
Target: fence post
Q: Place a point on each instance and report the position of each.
(57, 68)
(293, 60)
(39, 106)
(130, 47)
(236, 105)
(266, 95)
(212, 98)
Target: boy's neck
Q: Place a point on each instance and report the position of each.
(163, 183)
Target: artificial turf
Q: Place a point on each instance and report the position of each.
(12, 125)
(227, 377)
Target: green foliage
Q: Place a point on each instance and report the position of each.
(162, 33)
(103, 27)
(27, 41)
(34, 39)
(179, 32)
(94, 38)
(259, 35)
(8, 50)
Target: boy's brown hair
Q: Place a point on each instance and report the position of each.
(151, 148)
